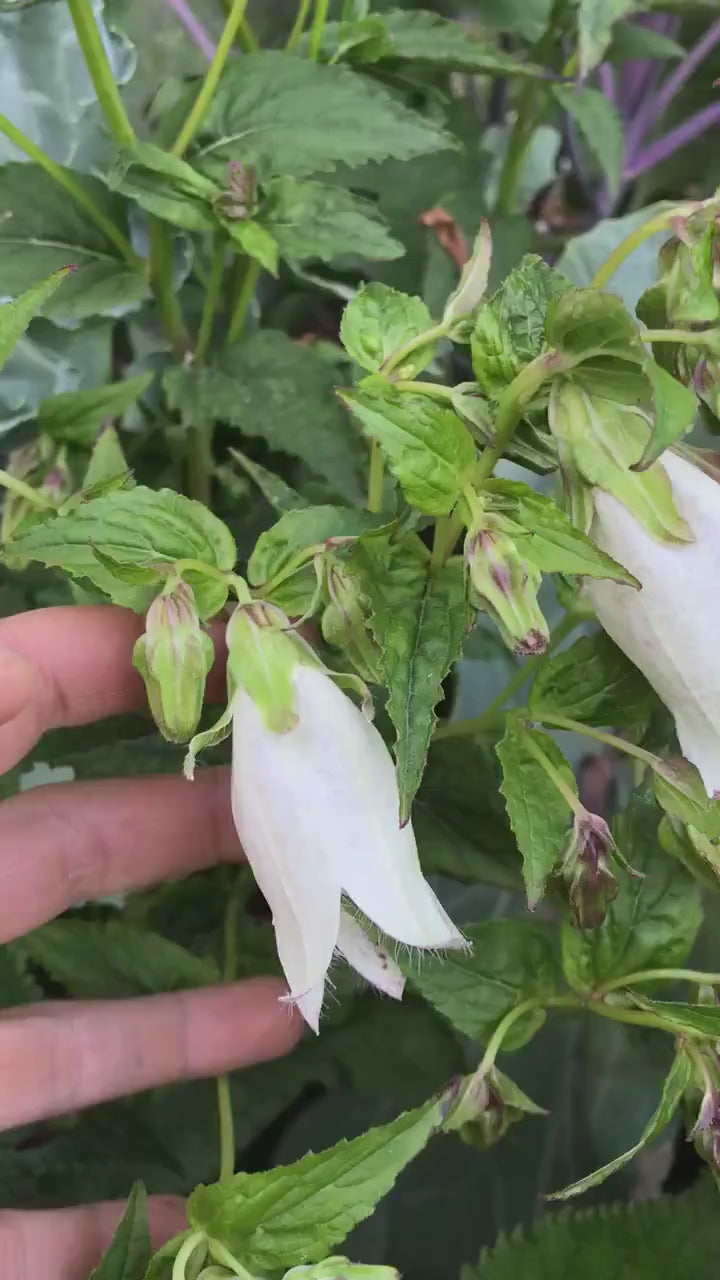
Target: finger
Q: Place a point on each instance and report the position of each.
(59, 1057)
(67, 842)
(64, 1244)
(65, 666)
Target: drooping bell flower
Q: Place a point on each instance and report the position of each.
(670, 628)
(316, 807)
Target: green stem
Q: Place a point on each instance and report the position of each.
(495, 1042)
(317, 29)
(662, 975)
(212, 297)
(519, 141)
(185, 1253)
(440, 539)
(661, 222)
(225, 1111)
(413, 344)
(78, 193)
(510, 410)
(298, 25)
(376, 475)
(609, 739)
(96, 60)
(707, 338)
(165, 293)
(26, 491)
(212, 76)
(244, 298)
(486, 719)
(246, 37)
(433, 389)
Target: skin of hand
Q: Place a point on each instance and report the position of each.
(66, 842)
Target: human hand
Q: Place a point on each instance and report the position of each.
(66, 842)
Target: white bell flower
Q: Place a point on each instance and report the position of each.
(670, 628)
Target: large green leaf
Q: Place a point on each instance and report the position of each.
(272, 387)
(593, 682)
(133, 527)
(539, 814)
(419, 622)
(428, 448)
(316, 220)
(379, 321)
(299, 530)
(510, 961)
(129, 1253)
(294, 1214)
(288, 115)
(653, 921)
(43, 229)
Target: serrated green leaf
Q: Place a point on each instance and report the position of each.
(129, 1253)
(598, 120)
(510, 327)
(539, 815)
(592, 682)
(270, 386)
(256, 241)
(378, 321)
(294, 1214)
(673, 1236)
(684, 1018)
(114, 959)
(316, 220)
(418, 621)
(678, 1079)
(585, 324)
(425, 37)
(510, 961)
(547, 536)
(135, 526)
(279, 495)
(75, 417)
(428, 448)
(15, 316)
(288, 115)
(166, 185)
(596, 19)
(43, 230)
(653, 921)
(298, 530)
(676, 407)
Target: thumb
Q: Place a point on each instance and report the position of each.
(21, 698)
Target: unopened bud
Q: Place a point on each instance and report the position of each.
(706, 1131)
(506, 587)
(687, 264)
(263, 652)
(586, 870)
(174, 656)
(345, 625)
(482, 1107)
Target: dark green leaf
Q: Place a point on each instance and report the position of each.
(134, 526)
(272, 387)
(114, 959)
(43, 230)
(631, 40)
(425, 37)
(129, 1253)
(378, 321)
(428, 448)
(274, 490)
(592, 682)
(653, 921)
(315, 220)
(15, 316)
(75, 417)
(539, 814)
(418, 621)
(675, 1085)
(599, 123)
(295, 1213)
(288, 115)
(510, 961)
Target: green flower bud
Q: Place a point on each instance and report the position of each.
(586, 870)
(689, 264)
(341, 1269)
(263, 652)
(481, 1108)
(174, 656)
(506, 586)
(344, 623)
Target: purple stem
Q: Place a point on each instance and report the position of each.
(654, 105)
(606, 78)
(676, 138)
(194, 27)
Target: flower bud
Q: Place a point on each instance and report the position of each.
(706, 1131)
(174, 656)
(482, 1107)
(341, 1269)
(344, 623)
(688, 269)
(263, 652)
(506, 587)
(586, 871)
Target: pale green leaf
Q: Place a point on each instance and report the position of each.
(585, 324)
(256, 241)
(316, 220)
(136, 526)
(599, 123)
(294, 1214)
(428, 448)
(676, 407)
(511, 961)
(678, 1079)
(287, 115)
(299, 530)
(510, 326)
(43, 229)
(596, 19)
(539, 815)
(592, 682)
(15, 316)
(583, 255)
(379, 321)
(75, 417)
(107, 463)
(128, 1256)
